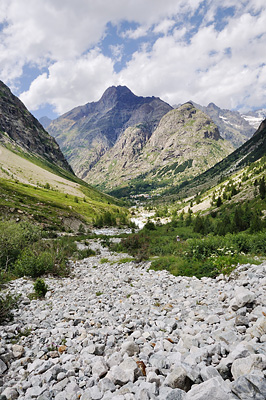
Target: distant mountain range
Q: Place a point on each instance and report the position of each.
(232, 125)
(124, 136)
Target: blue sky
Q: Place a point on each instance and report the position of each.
(58, 54)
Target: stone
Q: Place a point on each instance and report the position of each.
(176, 394)
(3, 367)
(116, 346)
(34, 392)
(131, 367)
(209, 372)
(10, 393)
(105, 385)
(242, 297)
(258, 329)
(209, 390)
(18, 350)
(250, 387)
(246, 365)
(178, 379)
(130, 348)
(95, 393)
(119, 376)
(99, 368)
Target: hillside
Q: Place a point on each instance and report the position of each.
(185, 143)
(36, 182)
(249, 152)
(20, 131)
(87, 132)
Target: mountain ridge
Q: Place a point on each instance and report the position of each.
(232, 125)
(184, 142)
(87, 132)
(22, 131)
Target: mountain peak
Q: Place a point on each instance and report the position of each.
(116, 93)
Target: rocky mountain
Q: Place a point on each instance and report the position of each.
(87, 132)
(185, 143)
(232, 125)
(45, 121)
(249, 152)
(21, 131)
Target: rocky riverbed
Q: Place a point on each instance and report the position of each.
(116, 330)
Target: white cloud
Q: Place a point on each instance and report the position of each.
(70, 83)
(137, 33)
(188, 62)
(117, 52)
(164, 26)
(178, 71)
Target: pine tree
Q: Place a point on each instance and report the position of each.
(262, 188)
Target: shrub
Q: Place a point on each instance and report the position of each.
(14, 237)
(40, 288)
(150, 226)
(84, 253)
(7, 303)
(32, 264)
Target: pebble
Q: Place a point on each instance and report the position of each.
(120, 331)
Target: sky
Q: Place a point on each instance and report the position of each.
(59, 54)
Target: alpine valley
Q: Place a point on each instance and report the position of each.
(125, 138)
(36, 181)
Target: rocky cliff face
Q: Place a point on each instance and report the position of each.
(19, 128)
(185, 143)
(233, 126)
(87, 132)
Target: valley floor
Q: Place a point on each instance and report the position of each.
(117, 330)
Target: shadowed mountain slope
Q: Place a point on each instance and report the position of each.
(87, 132)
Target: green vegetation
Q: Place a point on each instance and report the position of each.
(24, 252)
(50, 207)
(196, 254)
(40, 288)
(7, 304)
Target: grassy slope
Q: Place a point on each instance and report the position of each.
(47, 193)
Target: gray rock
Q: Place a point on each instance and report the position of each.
(35, 391)
(3, 367)
(244, 366)
(209, 390)
(250, 387)
(10, 393)
(18, 350)
(176, 394)
(242, 297)
(106, 384)
(99, 368)
(178, 379)
(209, 372)
(130, 348)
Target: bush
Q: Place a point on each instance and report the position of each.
(14, 237)
(40, 288)
(84, 253)
(150, 226)
(7, 303)
(32, 264)
(107, 219)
